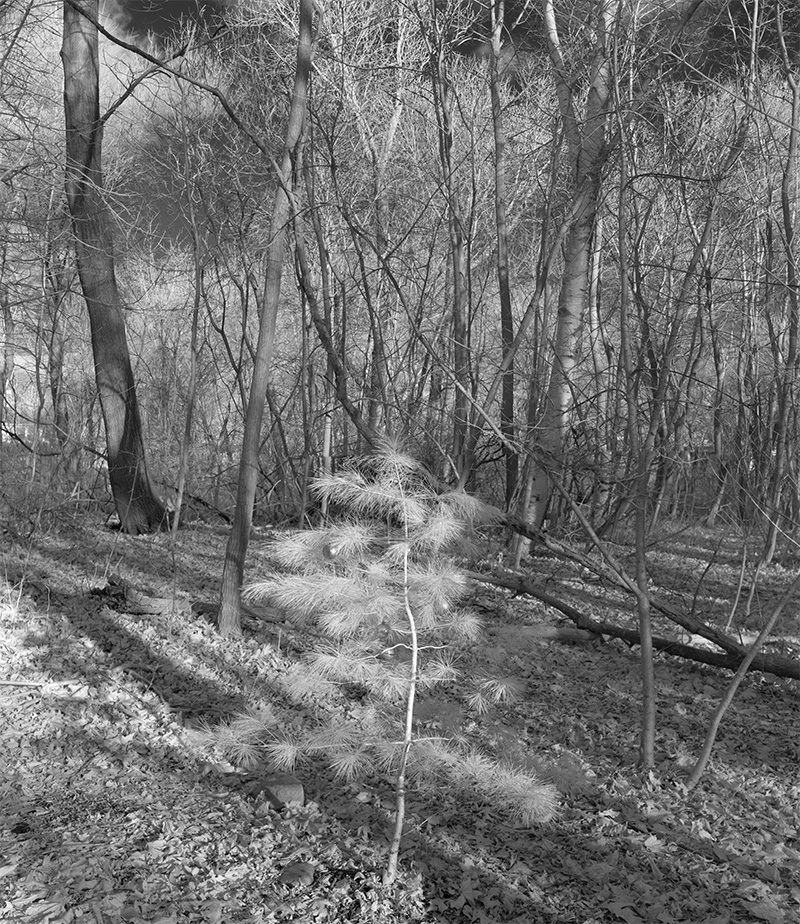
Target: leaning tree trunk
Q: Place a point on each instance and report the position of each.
(137, 505)
(229, 621)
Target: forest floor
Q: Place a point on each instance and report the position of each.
(115, 807)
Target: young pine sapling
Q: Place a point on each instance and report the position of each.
(381, 584)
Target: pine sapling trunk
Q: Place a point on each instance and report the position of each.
(381, 581)
(400, 779)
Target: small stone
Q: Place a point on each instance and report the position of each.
(281, 789)
(297, 873)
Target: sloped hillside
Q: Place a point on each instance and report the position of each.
(117, 804)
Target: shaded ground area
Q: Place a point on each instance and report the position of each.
(114, 806)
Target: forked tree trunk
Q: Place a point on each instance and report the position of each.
(137, 505)
(586, 138)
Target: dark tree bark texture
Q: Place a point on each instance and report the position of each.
(137, 505)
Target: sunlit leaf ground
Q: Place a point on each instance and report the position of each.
(113, 806)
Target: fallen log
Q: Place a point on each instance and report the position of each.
(569, 634)
(610, 570)
(729, 658)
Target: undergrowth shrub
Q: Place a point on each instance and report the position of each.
(381, 584)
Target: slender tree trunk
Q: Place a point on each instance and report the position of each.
(233, 571)
(442, 91)
(641, 452)
(324, 319)
(329, 322)
(507, 426)
(601, 373)
(308, 411)
(674, 457)
(733, 686)
(718, 460)
(56, 286)
(6, 362)
(788, 383)
(380, 376)
(189, 180)
(365, 434)
(137, 505)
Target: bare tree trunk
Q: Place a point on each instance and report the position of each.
(586, 136)
(378, 395)
(56, 286)
(640, 453)
(601, 373)
(719, 463)
(733, 686)
(507, 426)
(675, 453)
(6, 361)
(329, 321)
(189, 179)
(788, 383)
(324, 320)
(442, 92)
(233, 571)
(137, 505)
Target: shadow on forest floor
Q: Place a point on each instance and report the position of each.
(113, 801)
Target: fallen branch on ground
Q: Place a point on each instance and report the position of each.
(613, 572)
(731, 657)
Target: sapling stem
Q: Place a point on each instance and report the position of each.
(400, 779)
(733, 686)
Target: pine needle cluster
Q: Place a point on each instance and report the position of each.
(380, 582)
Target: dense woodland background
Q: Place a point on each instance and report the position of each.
(433, 327)
(553, 265)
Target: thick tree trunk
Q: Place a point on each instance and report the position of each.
(137, 505)
(551, 433)
(233, 571)
(586, 137)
